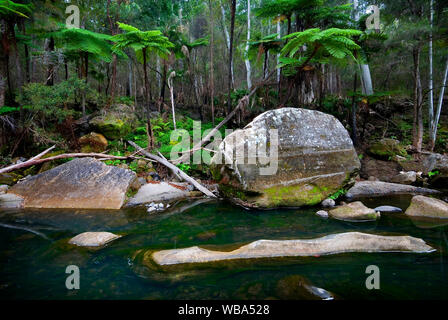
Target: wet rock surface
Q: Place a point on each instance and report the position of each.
(355, 211)
(296, 287)
(364, 189)
(83, 183)
(315, 159)
(332, 244)
(93, 239)
(427, 207)
(388, 209)
(159, 191)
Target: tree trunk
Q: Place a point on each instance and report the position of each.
(212, 44)
(367, 87)
(417, 131)
(147, 101)
(227, 36)
(433, 134)
(49, 52)
(431, 82)
(246, 60)
(232, 31)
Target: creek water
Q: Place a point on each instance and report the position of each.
(33, 259)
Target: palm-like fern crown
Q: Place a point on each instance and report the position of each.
(10, 8)
(82, 40)
(315, 45)
(272, 8)
(270, 43)
(138, 40)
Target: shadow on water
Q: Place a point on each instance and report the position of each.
(32, 267)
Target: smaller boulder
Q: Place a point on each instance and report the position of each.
(93, 239)
(328, 203)
(3, 188)
(159, 192)
(355, 211)
(405, 177)
(10, 201)
(386, 149)
(93, 142)
(427, 207)
(322, 214)
(388, 209)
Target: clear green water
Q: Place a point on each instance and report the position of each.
(32, 267)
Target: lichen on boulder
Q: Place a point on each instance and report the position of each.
(422, 206)
(93, 142)
(315, 159)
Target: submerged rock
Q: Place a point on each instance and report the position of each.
(83, 183)
(296, 287)
(427, 207)
(93, 239)
(159, 191)
(355, 211)
(332, 244)
(388, 209)
(364, 189)
(315, 159)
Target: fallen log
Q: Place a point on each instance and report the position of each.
(175, 169)
(36, 160)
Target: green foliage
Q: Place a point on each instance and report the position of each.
(321, 46)
(51, 102)
(257, 47)
(433, 173)
(81, 40)
(141, 41)
(338, 194)
(8, 7)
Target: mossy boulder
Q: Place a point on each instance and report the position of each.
(292, 158)
(386, 149)
(9, 178)
(355, 211)
(116, 123)
(93, 142)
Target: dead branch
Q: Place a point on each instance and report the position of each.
(35, 160)
(175, 169)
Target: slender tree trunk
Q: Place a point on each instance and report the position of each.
(433, 134)
(354, 112)
(227, 36)
(49, 48)
(246, 60)
(431, 82)
(147, 101)
(232, 31)
(212, 44)
(418, 114)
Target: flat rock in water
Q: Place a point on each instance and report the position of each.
(315, 159)
(93, 239)
(332, 244)
(83, 183)
(388, 209)
(296, 287)
(427, 207)
(365, 189)
(355, 211)
(157, 192)
(10, 201)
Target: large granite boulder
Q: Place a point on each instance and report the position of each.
(427, 207)
(315, 159)
(83, 183)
